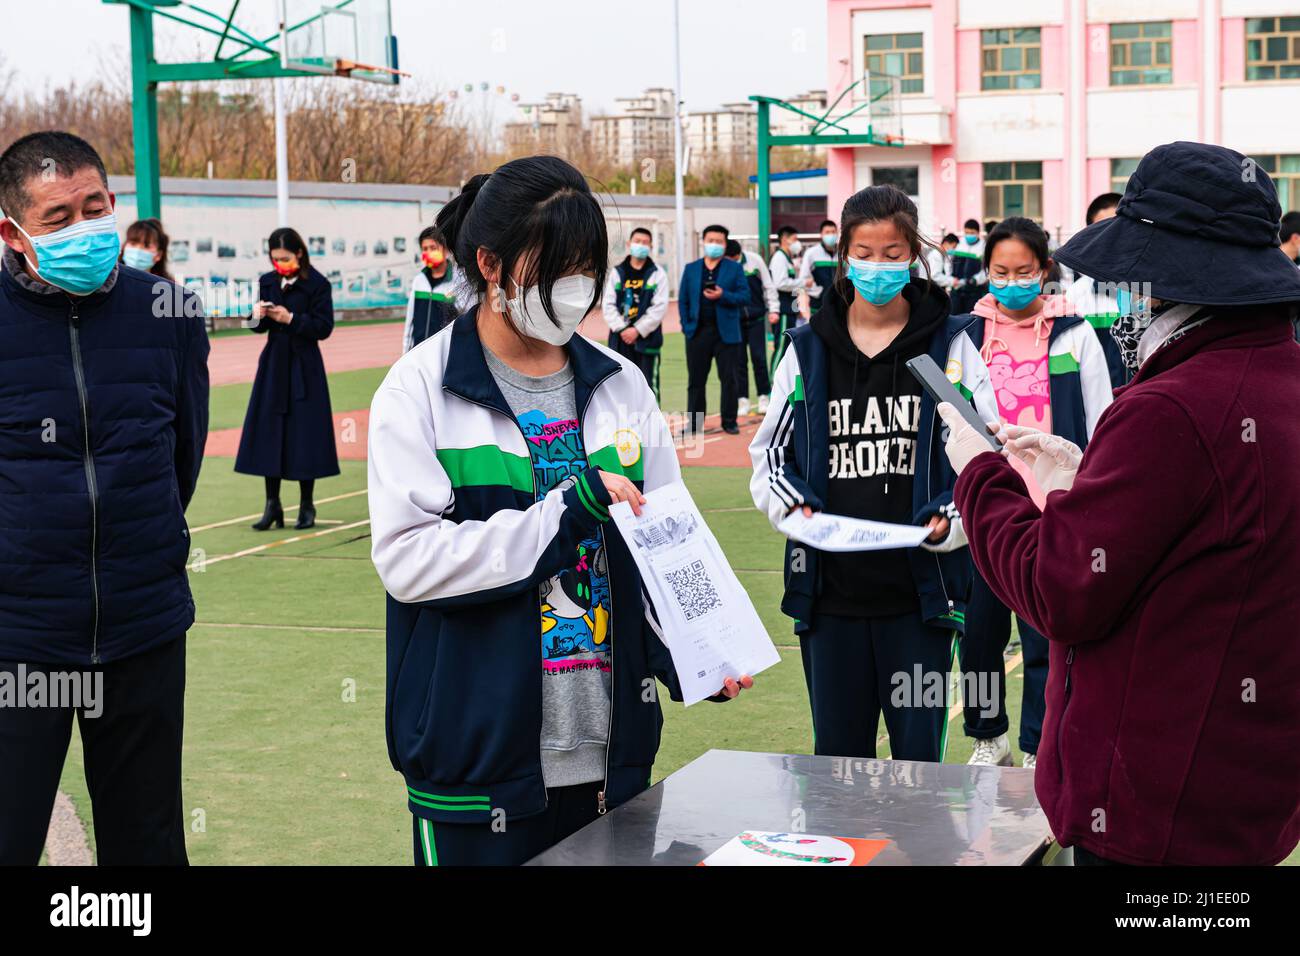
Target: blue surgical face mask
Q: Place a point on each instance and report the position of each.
(829, 240)
(971, 240)
(638, 250)
(714, 250)
(1015, 294)
(879, 282)
(138, 258)
(78, 259)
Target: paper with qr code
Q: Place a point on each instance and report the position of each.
(839, 533)
(708, 622)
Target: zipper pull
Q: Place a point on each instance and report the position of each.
(600, 803)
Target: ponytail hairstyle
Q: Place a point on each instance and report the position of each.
(885, 203)
(537, 210)
(149, 232)
(1025, 230)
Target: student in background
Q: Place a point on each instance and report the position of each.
(517, 703)
(1049, 373)
(850, 432)
(968, 278)
(939, 262)
(289, 428)
(817, 271)
(785, 277)
(710, 298)
(438, 291)
(146, 248)
(634, 303)
(761, 311)
(1289, 232)
(1095, 302)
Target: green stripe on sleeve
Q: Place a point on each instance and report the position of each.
(588, 499)
(606, 459)
(1062, 364)
(797, 394)
(486, 465)
(1103, 320)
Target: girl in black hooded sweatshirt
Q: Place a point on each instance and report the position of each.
(850, 432)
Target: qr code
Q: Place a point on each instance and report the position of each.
(693, 589)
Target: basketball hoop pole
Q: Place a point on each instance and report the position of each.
(678, 187)
(281, 155)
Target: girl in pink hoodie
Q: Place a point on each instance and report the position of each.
(1049, 373)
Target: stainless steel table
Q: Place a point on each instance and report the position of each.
(931, 814)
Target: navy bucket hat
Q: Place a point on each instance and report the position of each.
(1199, 224)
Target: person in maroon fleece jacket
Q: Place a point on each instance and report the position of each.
(1163, 565)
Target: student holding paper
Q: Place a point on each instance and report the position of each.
(522, 657)
(850, 432)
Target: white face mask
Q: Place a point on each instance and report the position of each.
(570, 298)
(796, 247)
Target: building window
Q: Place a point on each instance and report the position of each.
(1013, 189)
(906, 178)
(1141, 54)
(1120, 171)
(1273, 48)
(1012, 59)
(900, 55)
(1285, 172)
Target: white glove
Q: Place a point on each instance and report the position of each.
(964, 442)
(1053, 460)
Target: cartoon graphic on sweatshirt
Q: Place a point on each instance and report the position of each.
(575, 603)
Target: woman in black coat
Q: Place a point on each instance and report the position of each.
(289, 428)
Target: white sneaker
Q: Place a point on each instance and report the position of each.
(762, 404)
(992, 753)
(1030, 761)
(743, 407)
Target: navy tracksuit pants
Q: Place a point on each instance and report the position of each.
(859, 668)
(988, 631)
(568, 810)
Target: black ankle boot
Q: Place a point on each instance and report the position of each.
(306, 516)
(273, 515)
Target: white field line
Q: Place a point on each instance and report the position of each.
(291, 627)
(252, 517)
(283, 541)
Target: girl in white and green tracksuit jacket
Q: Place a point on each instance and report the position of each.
(522, 653)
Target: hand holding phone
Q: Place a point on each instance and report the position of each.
(941, 390)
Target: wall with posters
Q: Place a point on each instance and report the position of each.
(362, 236)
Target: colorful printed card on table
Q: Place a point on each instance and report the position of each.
(763, 848)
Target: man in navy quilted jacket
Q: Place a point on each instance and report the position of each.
(103, 418)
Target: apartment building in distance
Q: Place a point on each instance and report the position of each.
(1034, 108)
(640, 128)
(555, 125)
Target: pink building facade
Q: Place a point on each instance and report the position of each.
(1035, 108)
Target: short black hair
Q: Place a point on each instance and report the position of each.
(786, 231)
(971, 224)
(726, 233)
(733, 249)
(1025, 230)
(640, 231)
(431, 232)
(36, 153)
(829, 222)
(1101, 204)
(949, 237)
(1290, 226)
(534, 204)
(990, 225)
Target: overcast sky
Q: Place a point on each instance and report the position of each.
(599, 49)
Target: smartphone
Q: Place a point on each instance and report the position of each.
(710, 285)
(938, 387)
